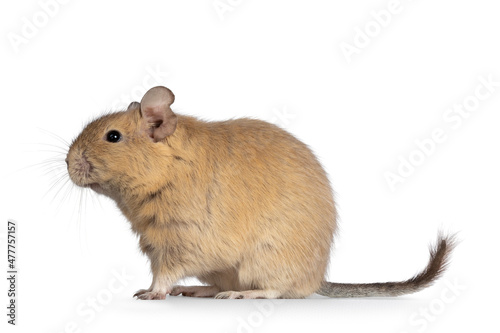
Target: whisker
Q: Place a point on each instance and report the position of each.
(58, 149)
(58, 181)
(55, 161)
(53, 180)
(95, 198)
(74, 191)
(68, 194)
(85, 232)
(46, 151)
(60, 188)
(65, 194)
(58, 178)
(44, 163)
(53, 167)
(60, 139)
(48, 144)
(81, 226)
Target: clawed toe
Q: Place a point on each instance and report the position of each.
(150, 295)
(230, 295)
(194, 291)
(141, 292)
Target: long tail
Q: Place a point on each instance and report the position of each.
(439, 259)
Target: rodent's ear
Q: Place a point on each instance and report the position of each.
(159, 121)
(134, 106)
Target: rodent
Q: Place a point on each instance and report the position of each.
(241, 204)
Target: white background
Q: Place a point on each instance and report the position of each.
(280, 61)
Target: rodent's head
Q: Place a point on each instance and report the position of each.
(117, 151)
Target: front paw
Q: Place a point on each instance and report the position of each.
(141, 292)
(151, 295)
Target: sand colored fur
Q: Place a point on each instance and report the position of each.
(241, 204)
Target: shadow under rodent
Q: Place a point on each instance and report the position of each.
(240, 204)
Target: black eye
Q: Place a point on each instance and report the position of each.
(113, 136)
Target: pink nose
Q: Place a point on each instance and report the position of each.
(83, 166)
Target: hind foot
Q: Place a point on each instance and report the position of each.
(195, 291)
(248, 294)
